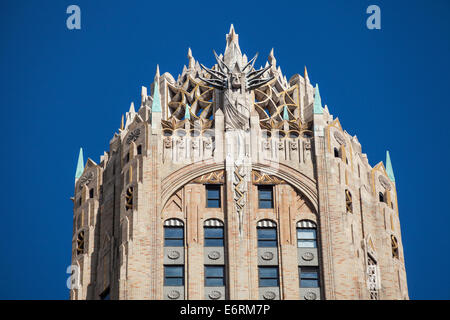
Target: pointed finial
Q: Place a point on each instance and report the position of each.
(389, 170)
(80, 165)
(187, 113)
(317, 101)
(132, 108)
(157, 72)
(156, 105)
(306, 75)
(122, 124)
(285, 113)
(191, 59)
(272, 59)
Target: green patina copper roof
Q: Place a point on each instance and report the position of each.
(285, 113)
(389, 170)
(317, 101)
(156, 106)
(80, 165)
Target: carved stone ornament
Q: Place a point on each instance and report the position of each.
(280, 145)
(86, 179)
(308, 256)
(174, 294)
(214, 295)
(267, 256)
(194, 145)
(167, 142)
(307, 145)
(214, 255)
(216, 177)
(173, 255)
(208, 144)
(133, 135)
(384, 182)
(269, 295)
(181, 143)
(294, 145)
(310, 296)
(266, 145)
(339, 138)
(263, 178)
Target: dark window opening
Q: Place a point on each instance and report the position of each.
(174, 276)
(212, 196)
(91, 193)
(381, 196)
(105, 295)
(213, 236)
(139, 149)
(267, 237)
(173, 236)
(265, 197)
(309, 277)
(214, 276)
(336, 153)
(268, 276)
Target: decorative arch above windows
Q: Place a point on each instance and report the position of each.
(266, 223)
(213, 223)
(173, 223)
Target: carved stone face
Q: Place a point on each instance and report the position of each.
(235, 81)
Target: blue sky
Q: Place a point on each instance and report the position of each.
(62, 89)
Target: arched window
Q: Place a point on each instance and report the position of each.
(381, 196)
(213, 233)
(80, 242)
(267, 234)
(394, 244)
(173, 233)
(348, 202)
(306, 234)
(336, 153)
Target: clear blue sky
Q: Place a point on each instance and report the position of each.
(62, 89)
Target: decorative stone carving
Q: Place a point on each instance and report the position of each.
(167, 142)
(280, 145)
(86, 179)
(194, 145)
(216, 177)
(214, 295)
(263, 178)
(384, 182)
(214, 255)
(269, 295)
(267, 256)
(181, 143)
(173, 255)
(208, 144)
(310, 296)
(308, 256)
(339, 138)
(266, 145)
(174, 294)
(293, 145)
(307, 145)
(133, 135)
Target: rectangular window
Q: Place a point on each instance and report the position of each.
(267, 237)
(174, 276)
(213, 196)
(214, 276)
(268, 276)
(139, 149)
(306, 238)
(173, 236)
(265, 197)
(91, 193)
(213, 236)
(309, 277)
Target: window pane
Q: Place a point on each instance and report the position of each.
(213, 242)
(268, 282)
(213, 193)
(213, 232)
(173, 282)
(271, 272)
(213, 271)
(173, 232)
(306, 243)
(309, 275)
(173, 242)
(306, 283)
(306, 233)
(213, 203)
(173, 271)
(265, 204)
(214, 282)
(267, 233)
(265, 194)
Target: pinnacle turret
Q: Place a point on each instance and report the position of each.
(80, 165)
(389, 170)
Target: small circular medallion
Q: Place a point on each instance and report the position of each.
(173, 255)
(267, 256)
(214, 255)
(269, 295)
(310, 296)
(308, 256)
(214, 295)
(173, 294)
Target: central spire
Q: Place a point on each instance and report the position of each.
(233, 53)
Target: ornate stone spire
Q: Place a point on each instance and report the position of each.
(233, 53)
(306, 76)
(156, 105)
(317, 101)
(389, 170)
(80, 165)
